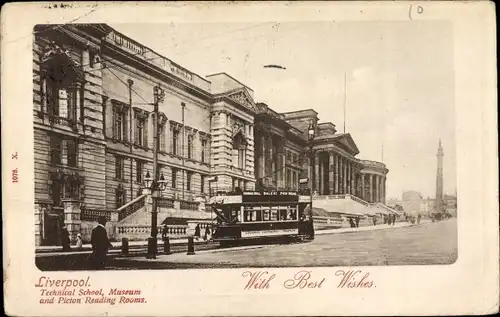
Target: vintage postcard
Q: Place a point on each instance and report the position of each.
(249, 158)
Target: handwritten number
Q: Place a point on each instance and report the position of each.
(420, 10)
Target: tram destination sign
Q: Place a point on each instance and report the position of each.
(275, 196)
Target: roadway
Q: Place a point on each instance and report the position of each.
(424, 244)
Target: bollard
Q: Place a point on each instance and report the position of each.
(124, 246)
(166, 245)
(190, 250)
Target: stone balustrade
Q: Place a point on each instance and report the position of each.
(142, 232)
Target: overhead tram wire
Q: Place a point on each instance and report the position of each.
(57, 26)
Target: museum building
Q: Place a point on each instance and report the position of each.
(93, 96)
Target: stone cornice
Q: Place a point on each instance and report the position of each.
(154, 70)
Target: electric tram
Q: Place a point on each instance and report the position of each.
(261, 216)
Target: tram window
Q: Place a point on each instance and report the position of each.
(258, 215)
(266, 214)
(283, 215)
(249, 215)
(292, 213)
(234, 215)
(274, 215)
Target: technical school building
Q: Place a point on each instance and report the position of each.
(93, 136)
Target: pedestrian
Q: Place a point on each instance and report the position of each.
(164, 232)
(65, 241)
(79, 241)
(208, 235)
(197, 232)
(418, 218)
(100, 244)
(357, 222)
(352, 223)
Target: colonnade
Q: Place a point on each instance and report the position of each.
(372, 187)
(335, 174)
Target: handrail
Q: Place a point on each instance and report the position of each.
(131, 202)
(387, 208)
(359, 200)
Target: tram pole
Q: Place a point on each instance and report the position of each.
(311, 135)
(155, 188)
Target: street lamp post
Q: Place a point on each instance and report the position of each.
(311, 133)
(154, 184)
(154, 187)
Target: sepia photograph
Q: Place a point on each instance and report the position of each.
(250, 158)
(188, 145)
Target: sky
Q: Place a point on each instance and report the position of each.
(395, 78)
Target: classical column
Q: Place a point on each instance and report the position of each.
(379, 183)
(262, 158)
(362, 193)
(322, 176)
(344, 178)
(353, 182)
(382, 192)
(316, 173)
(370, 192)
(331, 173)
(348, 177)
(336, 157)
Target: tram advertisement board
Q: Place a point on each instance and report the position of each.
(271, 196)
(269, 233)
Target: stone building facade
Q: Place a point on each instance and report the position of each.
(93, 133)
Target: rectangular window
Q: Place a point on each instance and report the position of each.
(119, 166)
(288, 157)
(119, 197)
(188, 180)
(288, 178)
(71, 151)
(190, 146)
(241, 158)
(266, 215)
(163, 147)
(63, 151)
(203, 149)
(120, 123)
(141, 137)
(202, 186)
(139, 168)
(57, 193)
(55, 150)
(175, 142)
(274, 214)
(174, 178)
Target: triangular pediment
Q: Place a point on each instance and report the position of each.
(346, 142)
(242, 97)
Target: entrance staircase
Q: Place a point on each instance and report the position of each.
(349, 206)
(134, 219)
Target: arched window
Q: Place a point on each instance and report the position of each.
(61, 82)
(239, 150)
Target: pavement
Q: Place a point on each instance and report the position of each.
(86, 248)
